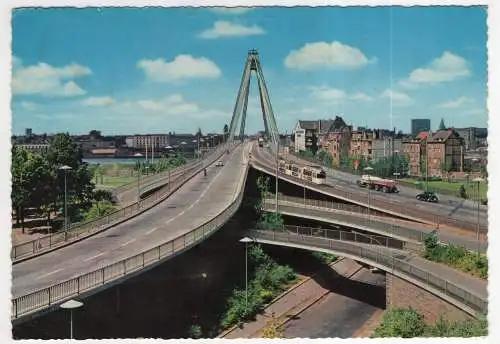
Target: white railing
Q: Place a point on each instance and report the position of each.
(57, 293)
(51, 241)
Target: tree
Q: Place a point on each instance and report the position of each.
(199, 133)
(314, 143)
(226, 131)
(446, 169)
(63, 151)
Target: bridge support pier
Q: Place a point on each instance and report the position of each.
(401, 293)
(117, 310)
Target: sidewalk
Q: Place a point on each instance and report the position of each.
(477, 285)
(291, 303)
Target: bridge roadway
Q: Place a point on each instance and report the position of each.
(464, 291)
(196, 202)
(404, 204)
(402, 230)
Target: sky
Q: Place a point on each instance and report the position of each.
(157, 70)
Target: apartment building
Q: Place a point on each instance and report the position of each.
(305, 130)
(157, 141)
(337, 139)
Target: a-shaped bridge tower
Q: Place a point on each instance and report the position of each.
(240, 109)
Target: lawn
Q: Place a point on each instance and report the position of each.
(111, 182)
(453, 188)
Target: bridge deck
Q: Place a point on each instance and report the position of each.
(378, 225)
(196, 202)
(403, 202)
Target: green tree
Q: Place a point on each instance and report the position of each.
(195, 332)
(99, 209)
(314, 144)
(401, 323)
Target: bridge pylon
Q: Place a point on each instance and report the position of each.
(240, 109)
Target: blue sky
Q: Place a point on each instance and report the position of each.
(125, 71)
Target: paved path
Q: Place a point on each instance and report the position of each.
(291, 303)
(196, 202)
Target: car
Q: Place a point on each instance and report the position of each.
(428, 196)
(219, 163)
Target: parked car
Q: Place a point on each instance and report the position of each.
(219, 163)
(428, 196)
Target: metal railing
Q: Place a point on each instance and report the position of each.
(60, 292)
(385, 261)
(338, 215)
(77, 231)
(376, 204)
(336, 234)
(365, 222)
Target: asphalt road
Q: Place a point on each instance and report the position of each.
(459, 210)
(341, 313)
(196, 202)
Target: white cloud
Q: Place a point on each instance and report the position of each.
(361, 96)
(182, 67)
(326, 55)
(98, 101)
(325, 93)
(447, 67)
(231, 10)
(30, 106)
(398, 98)
(457, 103)
(227, 29)
(47, 80)
(171, 105)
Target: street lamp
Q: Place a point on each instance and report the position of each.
(369, 169)
(183, 143)
(169, 168)
(65, 168)
(71, 304)
(477, 180)
(246, 240)
(138, 156)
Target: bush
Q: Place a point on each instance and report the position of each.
(99, 209)
(195, 332)
(462, 192)
(401, 323)
(408, 323)
(326, 258)
(267, 280)
(456, 256)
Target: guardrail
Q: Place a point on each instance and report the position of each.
(50, 241)
(379, 204)
(336, 234)
(58, 293)
(384, 261)
(317, 208)
(367, 222)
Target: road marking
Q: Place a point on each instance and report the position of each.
(197, 200)
(151, 230)
(128, 242)
(50, 273)
(93, 257)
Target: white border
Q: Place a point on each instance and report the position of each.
(5, 118)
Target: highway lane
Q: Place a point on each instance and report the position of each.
(401, 200)
(199, 200)
(348, 179)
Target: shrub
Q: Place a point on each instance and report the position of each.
(401, 323)
(195, 332)
(462, 192)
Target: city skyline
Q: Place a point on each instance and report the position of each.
(130, 72)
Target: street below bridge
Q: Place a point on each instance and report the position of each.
(196, 202)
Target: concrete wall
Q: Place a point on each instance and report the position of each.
(401, 293)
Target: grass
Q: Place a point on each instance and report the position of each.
(111, 182)
(450, 187)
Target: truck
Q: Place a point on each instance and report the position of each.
(379, 184)
(261, 141)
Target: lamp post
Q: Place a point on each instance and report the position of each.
(138, 156)
(71, 304)
(169, 168)
(369, 169)
(246, 240)
(477, 180)
(277, 170)
(65, 168)
(183, 143)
